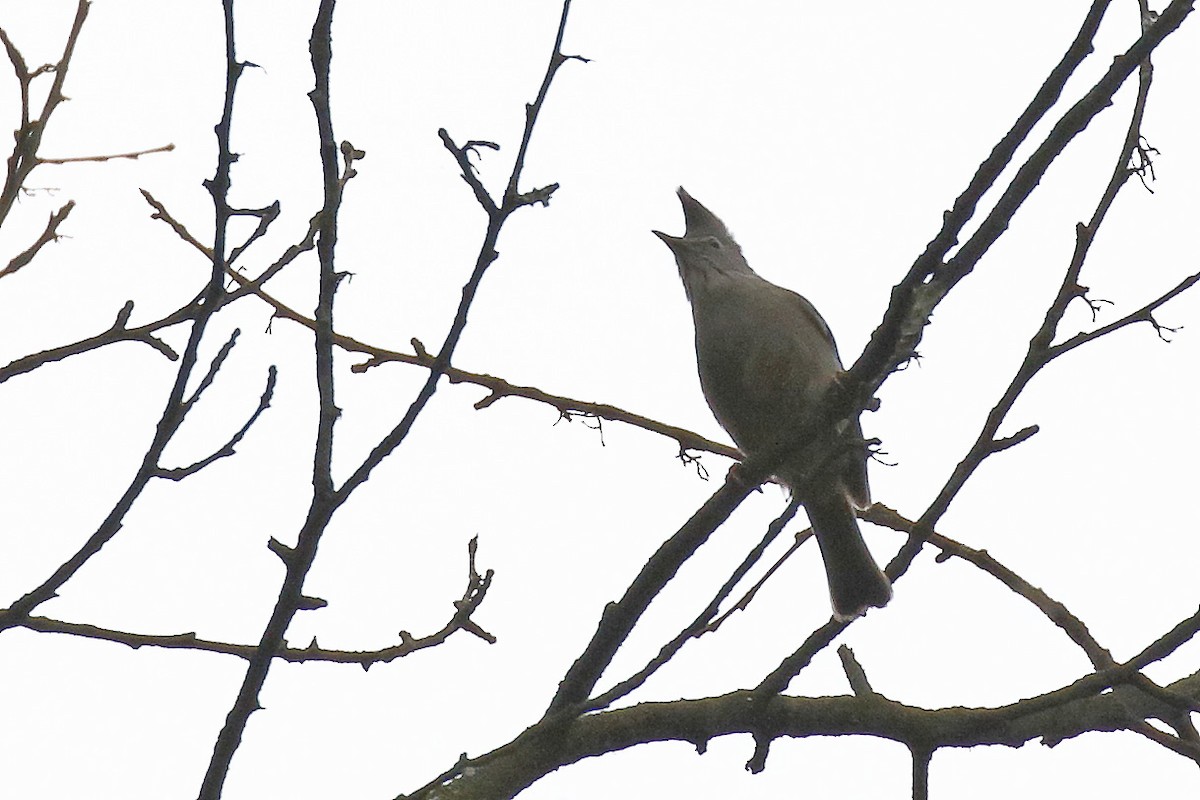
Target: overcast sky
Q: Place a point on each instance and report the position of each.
(829, 137)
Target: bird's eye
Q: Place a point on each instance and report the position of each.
(714, 243)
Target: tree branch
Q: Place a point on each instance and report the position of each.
(50, 234)
(506, 771)
(472, 598)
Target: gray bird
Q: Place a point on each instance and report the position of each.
(765, 358)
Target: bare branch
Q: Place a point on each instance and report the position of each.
(203, 308)
(213, 367)
(265, 217)
(325, 502)
(1183, 748)
(701, 625)
(50, 234)
(468, 169)
(1000, 445)
(227, 449)
(1052, 609)
(116, 333)
(921, 756)
(619, 618)
(543, 748)
(132, 155)
(1040, 351)
(928, 281)
(1143, 314)
(498, 388)
(473, 596)
(900, 331)
(855, 674)
(29, 135)
(487, 254)
(291, 595)
(160, 212)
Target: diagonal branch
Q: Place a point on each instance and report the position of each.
(929, 280)
(118, 332)
(497, 216)
(50, 234)
(703, 623)
(227, 449)
(900, 330)
(1040, 350)
(24, 157)
(1052, 609)
(298, 560)
(931, 286)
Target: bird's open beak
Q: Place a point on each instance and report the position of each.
(667, 239)
(698, 220)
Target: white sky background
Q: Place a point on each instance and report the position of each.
(830, 137)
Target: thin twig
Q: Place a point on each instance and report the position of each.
(50, 234)
(226, 450)
(703, 623)
(24, 157)
(461, 620)
(132, 155)
(497, 216)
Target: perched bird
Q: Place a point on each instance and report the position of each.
(765, 358)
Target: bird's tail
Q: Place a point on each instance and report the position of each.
(855, 581)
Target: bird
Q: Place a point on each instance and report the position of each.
(766, 358)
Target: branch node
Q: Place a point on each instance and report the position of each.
(123, 315)
(762, 747)
(419, 348)
(307, 603)
(855, 673)
(285, 553)
(1012, 441)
